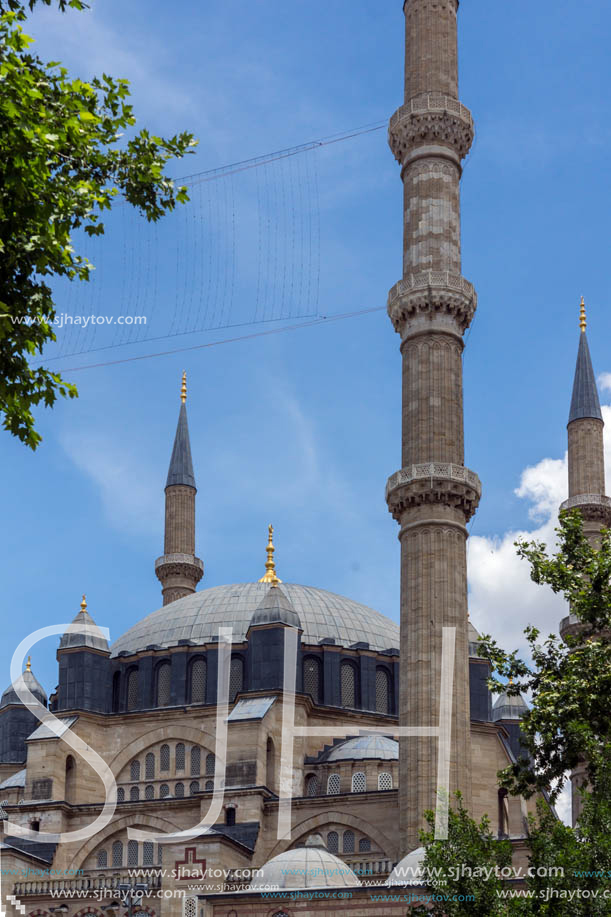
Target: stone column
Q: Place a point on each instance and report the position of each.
(433, 495)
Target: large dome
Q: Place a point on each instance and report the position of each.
(198, 617)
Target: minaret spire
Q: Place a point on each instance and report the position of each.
(179, 570)
(433, 495)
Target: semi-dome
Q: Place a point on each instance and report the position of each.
(197, 618)
(380, 747)
(310, 866)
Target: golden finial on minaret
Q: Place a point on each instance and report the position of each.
(28, 665)
(183, 388)
(84, 603)
(582, 315)
(270, 566)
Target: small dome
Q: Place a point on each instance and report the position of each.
(409, 870)
(29, 681)
(473, 637)
(275, 608)
(310, 866)
(380, 747)
(509, 707)
(84, 632)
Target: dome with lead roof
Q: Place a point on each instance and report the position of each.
(324, 616)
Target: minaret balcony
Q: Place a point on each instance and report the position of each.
(425, 299)
(430, 118)
(433, 482)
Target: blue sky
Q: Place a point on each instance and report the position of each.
(303, 428)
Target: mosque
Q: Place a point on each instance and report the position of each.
(269, 748)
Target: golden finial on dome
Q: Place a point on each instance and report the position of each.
(183, 388)
(582, 315)
(84, 603)
(28, 665)
(270, 566)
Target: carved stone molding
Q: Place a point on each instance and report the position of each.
(593, 507)
(185, 566)
(430, 118)
(433, 482)
(432, 292)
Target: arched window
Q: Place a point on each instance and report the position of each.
(348, 684)
(134, 794)
(230, 816)
(180, 757)
(385, 781)
(312, 785)
(333, 842)
(102, 859)
(382, 690)
(133, 692)
(210, 764)
(70, 785)
(120, 794)
(348, 842)
(209, 785)
(179, 790)
(503, 813)
(149, 766)
(149, 792)
(132, 853)
(134, 770)
(359, 783)
(116, 692)
(312, 681)
(197, 681)
(196, 761)
(164, 790)
(364, 845)
(194, 787)
(164, 675)
(236, 677)
(270, 766)
(333, 785)
(164, 758)
(117, 854)
(147, 853)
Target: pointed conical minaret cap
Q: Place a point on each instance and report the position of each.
(584, 401)
(181, 464)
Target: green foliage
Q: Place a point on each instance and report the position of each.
(569, 681)
(464, 869)
(63, 162)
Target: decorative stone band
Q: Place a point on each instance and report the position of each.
(429, 294)
(433, 482)
(430, 118)
(186, 565)
(594, 507)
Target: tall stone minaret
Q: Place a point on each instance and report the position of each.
(179, 570)
(586, 481)
(433, 496)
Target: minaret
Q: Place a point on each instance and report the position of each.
(434, 495)
(179, 570)
(586, 482)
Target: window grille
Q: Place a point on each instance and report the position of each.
(209, 785)
(134, 794)
(120, 794)
(385, 781)
(199, 673)
(180, 757)
(196, 761)
(132, 853)
(163, 684)
(149, 766)
(147, 853)
(348, 842)
(210, 764)
(164, 758)
(333, 842)
(333, 785)
(179, 790)
(311, 678)
(194, 787)
(117, 854)
(364, 845)
(164, 790)
(382, 690)
(236, 677)
(189, 907)
(348, 684)
(149, 792)
(312, 786)
(102, 859)
(132, 689)
(359, 783)
(134, 770)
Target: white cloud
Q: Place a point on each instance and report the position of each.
(604, 381)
